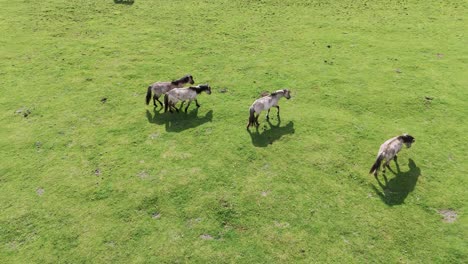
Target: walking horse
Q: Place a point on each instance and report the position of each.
(160, 88)
(389, 150)
(265, 103)
(184, 94)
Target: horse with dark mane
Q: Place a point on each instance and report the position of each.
(160, 88)
(183, 94)
(265, 103)
(389, 150)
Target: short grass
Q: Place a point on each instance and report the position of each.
(83, 181)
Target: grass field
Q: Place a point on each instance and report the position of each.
(82, 181)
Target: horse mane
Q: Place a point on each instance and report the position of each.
(276, 92)
(199, 88)
(183, 79)
(407, 138)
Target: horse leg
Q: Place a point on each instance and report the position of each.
(256, 120)
(189, 102)
(396, 163)
(161, 103)
(385, 165)
(385, 179)
(181, 105)
(198, 105)
(268, 114)
(278, 110)
(169, 104)
(155, 98)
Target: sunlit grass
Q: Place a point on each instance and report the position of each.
(87, 181)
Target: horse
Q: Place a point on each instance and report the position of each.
(159, 88)
(265, 103)
(183, 94)
(389, 150)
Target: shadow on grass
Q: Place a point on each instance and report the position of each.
(177, 122)
(395, 191)
(124, 2)
(267, 137)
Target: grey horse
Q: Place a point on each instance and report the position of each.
(160, 88)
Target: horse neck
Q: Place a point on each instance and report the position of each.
(278, 95)
(178, 84)
(183, 80)
(197, 90)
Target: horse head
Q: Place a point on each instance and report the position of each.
(206, 88)
(287, 94)
(190, 79)
(408, 140)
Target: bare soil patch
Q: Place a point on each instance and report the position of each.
(449, 215)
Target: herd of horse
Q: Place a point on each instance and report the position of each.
(175, 92)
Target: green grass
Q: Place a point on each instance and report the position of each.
(85, 181)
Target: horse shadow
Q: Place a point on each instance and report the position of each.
(395, 191)
(124, 2)
(268, 137)
(177, 122)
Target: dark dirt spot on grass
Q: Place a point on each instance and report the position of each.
(329, 46)
(428, 100)
(104, 99)
(206, 237)
(449, 215)
(124, 2)
(23, 111)
(156, 215)
(40, 191)
(97, 172)
(38, 144)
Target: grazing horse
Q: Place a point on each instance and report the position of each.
(159, 88)
(183, 94)
(265, 103)
(389, 150)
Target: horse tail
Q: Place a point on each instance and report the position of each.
(148, 95)
(251, 117)
(377, 163)
(166, 102)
